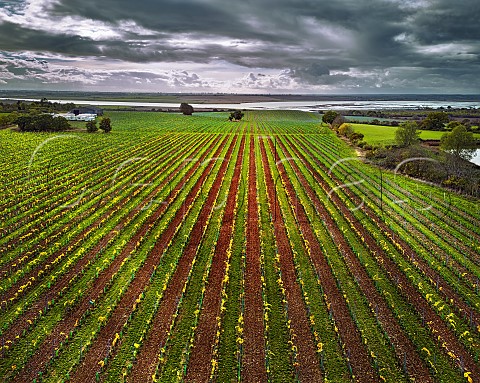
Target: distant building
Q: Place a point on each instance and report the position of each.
(77, 117)
(87, 110)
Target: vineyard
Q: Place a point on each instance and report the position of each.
(191, 248)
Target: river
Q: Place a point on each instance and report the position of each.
(476, 157)
(289, 105)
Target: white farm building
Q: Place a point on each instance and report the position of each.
(84, 113)
(78, 117)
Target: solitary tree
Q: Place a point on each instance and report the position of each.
(237, 115)
(186, 109)
(407, 134)
(435, 121)
(459, 142)
(92, 126)
(329, 116)
(106, 125)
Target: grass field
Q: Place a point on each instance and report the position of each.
(189, 248)
(379, 134)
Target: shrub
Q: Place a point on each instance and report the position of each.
(106, 125)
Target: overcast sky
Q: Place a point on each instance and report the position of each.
(242, 46)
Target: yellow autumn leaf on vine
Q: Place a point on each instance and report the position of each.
(426, 350)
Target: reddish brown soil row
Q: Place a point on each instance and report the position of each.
(203, 346)
(22, 323)
(403, 345)
(13, 265)
(39, 361)
(445, 289)
(147, 359)
(309, 366)
(444, 335)
(74, 242)
(86, 371)
(359, 358)
(253, 360)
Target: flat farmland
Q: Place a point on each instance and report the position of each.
(382, 134)
(190, 248)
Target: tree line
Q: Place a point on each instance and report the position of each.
(42, 106)
(49, 123)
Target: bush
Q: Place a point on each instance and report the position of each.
(92, 126)
(362, 144)
(106, 125)
(236, 115)
(459, 142)
(345, 130)
(356, 137)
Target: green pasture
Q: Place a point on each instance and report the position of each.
(381, 134)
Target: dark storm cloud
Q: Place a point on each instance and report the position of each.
(17, 38)
(346, 43)
(172, 16)
(312, 73)
(448, 21)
